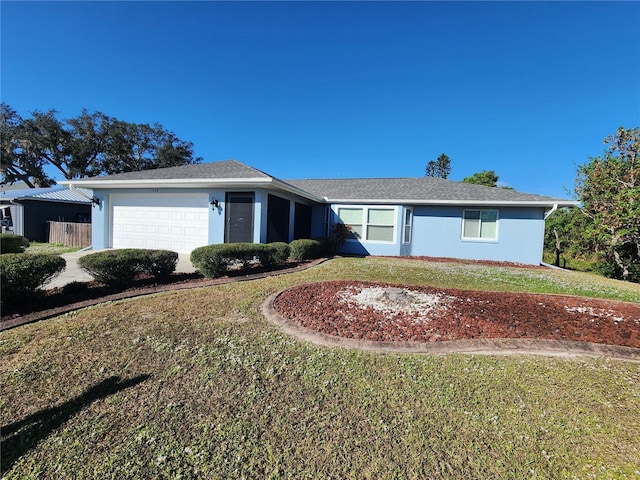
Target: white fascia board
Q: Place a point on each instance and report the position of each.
(496, 203)
(159, 183)
(256, 182)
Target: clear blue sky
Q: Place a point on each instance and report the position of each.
(343, 89)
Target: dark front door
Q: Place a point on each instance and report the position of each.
(239, 217)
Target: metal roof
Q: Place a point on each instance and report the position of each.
(54, 194)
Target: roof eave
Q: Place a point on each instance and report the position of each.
(255, 182)
(495, 203)
(56, 200)
(169, 183)
(295, 190)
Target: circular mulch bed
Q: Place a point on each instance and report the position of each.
(396, 313)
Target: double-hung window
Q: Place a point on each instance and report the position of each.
(480, 225)
(370, 224)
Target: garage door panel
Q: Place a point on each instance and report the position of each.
(174, 222)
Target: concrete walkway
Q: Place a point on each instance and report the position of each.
(73, 272)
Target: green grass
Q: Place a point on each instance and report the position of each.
(51, 248)
(196, 384)
(571, 263)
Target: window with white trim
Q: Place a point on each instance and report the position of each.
(480, 225)
(369, 224)
(407, 224)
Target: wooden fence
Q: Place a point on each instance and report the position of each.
(70, 234)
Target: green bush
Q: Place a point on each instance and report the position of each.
(610, 269)
(209, 261)
(10, 243)
(305, 249)
(22, 274)
(328, 246)
(119, 267)
(161, 263)
(214, 260)
(276, 253)
(74, 287)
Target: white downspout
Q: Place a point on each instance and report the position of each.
(547, 215)
(550, 212)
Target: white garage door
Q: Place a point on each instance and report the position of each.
(172, 222)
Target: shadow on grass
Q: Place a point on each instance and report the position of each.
(20, 437)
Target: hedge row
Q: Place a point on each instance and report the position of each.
(10, 243)
(23, 274)
(119, 267)
(214, 260)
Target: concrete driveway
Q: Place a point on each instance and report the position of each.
(73, 273)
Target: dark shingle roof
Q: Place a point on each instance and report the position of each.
(423, 190)
(223, 169)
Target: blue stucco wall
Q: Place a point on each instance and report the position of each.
(101, 215)
(437, 232)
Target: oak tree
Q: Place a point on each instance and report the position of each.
(19, 156)
(84, 146)
(609, 189)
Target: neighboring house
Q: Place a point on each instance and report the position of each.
(26, 211)
(182, 208)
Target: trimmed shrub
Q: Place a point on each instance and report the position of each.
(10, 243)
(214, 260)
(119, 267)
(161, 263)
(276, 253)
(305, 249)
(112, 267)
(74, 287)
(209, 261)
(23, 274)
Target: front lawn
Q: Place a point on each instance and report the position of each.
(50, 248)
(196, 384)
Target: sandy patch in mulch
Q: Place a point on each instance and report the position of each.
(396, 313)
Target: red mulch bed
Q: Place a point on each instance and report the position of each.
(333, 308)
